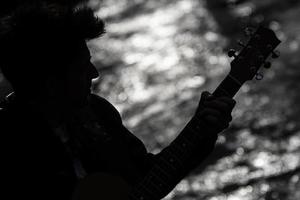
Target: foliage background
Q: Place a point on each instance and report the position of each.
(158, 56)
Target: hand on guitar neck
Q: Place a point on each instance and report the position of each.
(214, 112)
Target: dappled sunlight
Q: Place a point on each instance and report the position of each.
(244, 10)
(158, 56)
(166, 52)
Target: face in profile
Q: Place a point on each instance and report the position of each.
(79, 77)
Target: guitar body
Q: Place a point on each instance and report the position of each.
(100, 186)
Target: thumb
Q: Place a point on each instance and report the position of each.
(205, 96)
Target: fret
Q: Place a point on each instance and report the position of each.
(152, 184)
(172, 157)
(155, 180)
(158, 183)
(148, 182)
(138, 195)
(162, 172)
(159, 180)
(166, 163)
(171, 161)
(228, 87)
(183, 143)
(235, 80)
(195, 134)
(144, 189)
(181, 153)
(152, 190)
(133, 197)
(175, 155)
(165, 167)
(224, 91)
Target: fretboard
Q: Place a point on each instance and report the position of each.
(175, 161)
(228, 87)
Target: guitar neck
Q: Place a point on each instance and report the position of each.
(175, 161)
(228, 87)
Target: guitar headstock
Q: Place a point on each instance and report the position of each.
(246, 64)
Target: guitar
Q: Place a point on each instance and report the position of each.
(168, 170)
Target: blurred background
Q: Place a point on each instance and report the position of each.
(158, 56)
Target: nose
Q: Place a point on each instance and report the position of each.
(93, 72)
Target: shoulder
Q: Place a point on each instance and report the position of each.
(104, 109)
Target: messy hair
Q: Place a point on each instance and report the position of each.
(43, 32)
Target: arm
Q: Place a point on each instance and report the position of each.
(192, 146)
(195, 142)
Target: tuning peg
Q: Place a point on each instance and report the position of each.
(248, 31)
(275, 54)
(232, 53)
(267, 65)
(259, 76)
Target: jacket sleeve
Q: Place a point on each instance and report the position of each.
(172, 160)
(202, 147)
(112, 118)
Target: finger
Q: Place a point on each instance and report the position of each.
(206, 96)
(226, 117)
(215, 124)
(211, 120)
(209, 111)
(224, 124)
(216, 120)
(229, 118)
(218, 105)
(229, 101)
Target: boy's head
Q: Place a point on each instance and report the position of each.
(43, 49)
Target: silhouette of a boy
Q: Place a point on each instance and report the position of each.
(54, 132)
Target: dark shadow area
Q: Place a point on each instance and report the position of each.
(155, 60)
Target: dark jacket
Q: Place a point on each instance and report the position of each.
(36, 165)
